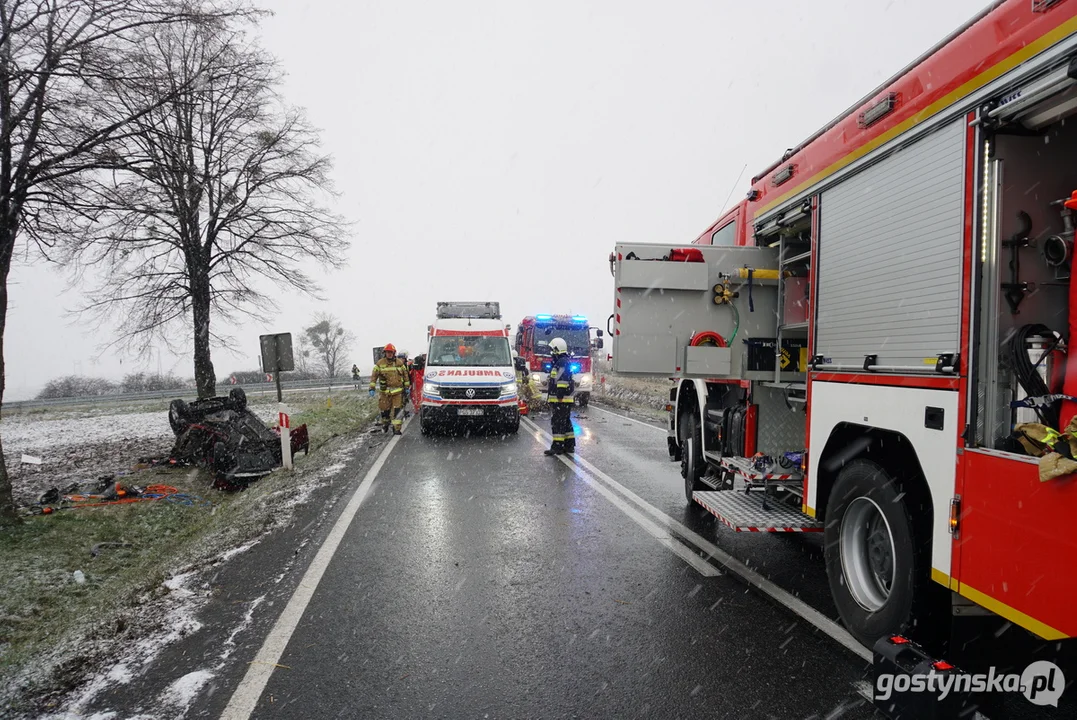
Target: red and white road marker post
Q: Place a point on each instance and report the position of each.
(285, 436)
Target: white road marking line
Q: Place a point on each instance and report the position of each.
(792, 603)
(662, 536)
(625, 417)
(246, 695)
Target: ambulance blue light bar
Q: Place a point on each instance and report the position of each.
(579, 319)
(544, 318)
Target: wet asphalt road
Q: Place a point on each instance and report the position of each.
(481, 579)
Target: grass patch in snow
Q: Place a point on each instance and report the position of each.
(43, 605)
(348, 413)
(52, 626)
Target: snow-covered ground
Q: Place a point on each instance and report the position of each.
(29, 434)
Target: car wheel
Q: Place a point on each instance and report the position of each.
(221, 459)
(583, 399)
(692, 458)
(177, 416)
(878, 569)
(238, 398)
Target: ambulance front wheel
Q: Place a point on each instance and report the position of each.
(877, 567)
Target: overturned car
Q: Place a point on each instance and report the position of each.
(222, 434)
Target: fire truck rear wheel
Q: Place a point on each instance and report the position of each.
(877, 568)
(691, 457)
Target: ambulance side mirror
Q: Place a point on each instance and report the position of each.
(521, 364)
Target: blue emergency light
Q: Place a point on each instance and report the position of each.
(574, 367)
(544, 318)
(579, 319)
(546, 366)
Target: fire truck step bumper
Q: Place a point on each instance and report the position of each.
(896, 656)
(743, 512)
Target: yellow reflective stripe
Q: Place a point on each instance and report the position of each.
(1015, 616)
(394, 391)
(562, 384)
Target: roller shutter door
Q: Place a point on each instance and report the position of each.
(890, 256)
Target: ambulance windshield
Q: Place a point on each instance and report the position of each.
(469, 351)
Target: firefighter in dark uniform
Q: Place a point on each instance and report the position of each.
(559, 389)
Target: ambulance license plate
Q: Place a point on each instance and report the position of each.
(469, 411)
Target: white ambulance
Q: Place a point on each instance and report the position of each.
(469, 375)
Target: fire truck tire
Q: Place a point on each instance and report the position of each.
(691, 457)
(878, 570)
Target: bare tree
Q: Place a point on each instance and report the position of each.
(329, 343)
(215, 192)
(61, 63)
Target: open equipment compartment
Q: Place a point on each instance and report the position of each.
(704, 338)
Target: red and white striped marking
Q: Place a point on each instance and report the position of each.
(283, 423)
(752, 528)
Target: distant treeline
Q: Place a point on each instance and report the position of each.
(79, 386)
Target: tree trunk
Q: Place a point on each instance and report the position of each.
(7, 245)
(204, 377)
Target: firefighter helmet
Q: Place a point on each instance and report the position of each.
(558, 346)
(390, 348)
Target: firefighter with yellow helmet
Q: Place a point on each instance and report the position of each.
(389, 380)
(523, 383)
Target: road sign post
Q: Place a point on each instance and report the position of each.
(277, 358)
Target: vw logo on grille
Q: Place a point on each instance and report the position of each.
(470, 392)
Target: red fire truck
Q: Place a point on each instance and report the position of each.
(533, 337)
(870, 344)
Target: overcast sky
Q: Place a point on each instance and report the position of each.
(498, 150)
